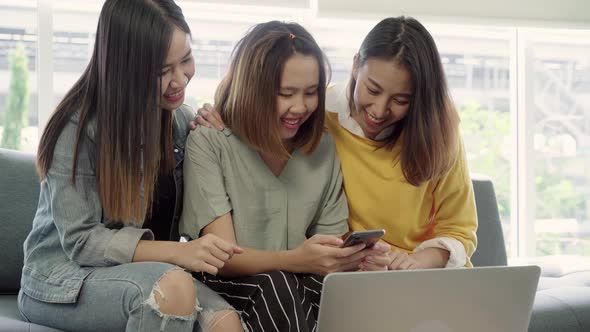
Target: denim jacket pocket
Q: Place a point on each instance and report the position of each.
(53, 290)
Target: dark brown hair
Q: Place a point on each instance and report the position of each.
(430, 129)
(119, 89)
(247, 96)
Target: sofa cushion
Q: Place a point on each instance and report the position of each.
(18, 202)
(491, 250)
(561, 307)
(10, 318)
(562, 302)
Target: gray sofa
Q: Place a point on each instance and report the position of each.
(562, 303)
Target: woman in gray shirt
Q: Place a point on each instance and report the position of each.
(271, 182)
(121, 129)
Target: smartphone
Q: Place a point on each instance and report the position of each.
(369, 238)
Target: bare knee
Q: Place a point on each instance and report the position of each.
(225, 320)
(175, 293)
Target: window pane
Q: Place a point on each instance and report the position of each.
(74, 28)
(215, 31)
(477, 66)
(18, 77)
(560, 78)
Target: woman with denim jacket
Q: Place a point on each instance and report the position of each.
(110, 162)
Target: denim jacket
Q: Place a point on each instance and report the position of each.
(71, 236)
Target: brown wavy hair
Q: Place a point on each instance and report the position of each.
(431, 127)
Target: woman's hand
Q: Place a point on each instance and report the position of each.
(394, 260)
(322, 254)
(430, 258)
(207, 116)
(208, 253)
(401, 260)
(378, 258)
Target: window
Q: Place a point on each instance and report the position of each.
(476, 60)
(74, 29)
(216, 29)
(18, 75)
(558, 106)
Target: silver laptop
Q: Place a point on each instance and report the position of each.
(485, 299)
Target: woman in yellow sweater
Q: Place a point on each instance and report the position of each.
(397, 135)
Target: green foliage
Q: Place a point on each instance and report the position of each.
(558, 196)
(17, 105)
(486, 138)
(562, 244)
(486, 135)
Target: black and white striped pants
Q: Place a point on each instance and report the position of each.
(275, 301)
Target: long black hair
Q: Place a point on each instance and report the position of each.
(120, 89)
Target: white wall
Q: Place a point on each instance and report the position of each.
(262, 3)
(566, 13)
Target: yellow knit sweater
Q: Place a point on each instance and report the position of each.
(380, 197)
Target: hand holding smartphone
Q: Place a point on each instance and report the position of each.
(369, 238)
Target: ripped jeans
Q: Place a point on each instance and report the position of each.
(121, 298)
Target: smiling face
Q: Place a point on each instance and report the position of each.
(298, 93)
(177, 71)
(382, 94)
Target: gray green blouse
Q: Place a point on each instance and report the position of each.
(269, 212)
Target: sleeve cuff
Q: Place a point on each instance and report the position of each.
(122, 246)
(338, 230)
(458, 255)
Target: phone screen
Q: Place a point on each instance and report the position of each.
(369, 238)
